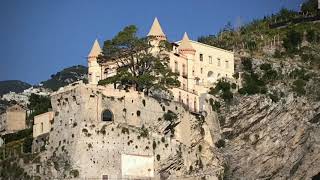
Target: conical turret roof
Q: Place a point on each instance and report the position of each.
(156, 29)
(95, 50)
(185, 44)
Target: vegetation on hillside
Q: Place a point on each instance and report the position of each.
(37, 105)
(294, 66)
(13, 86)
(137, 66)
(66, 76)
(289, 28)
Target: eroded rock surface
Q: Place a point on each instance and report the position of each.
(268, 140)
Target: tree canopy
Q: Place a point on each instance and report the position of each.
(310, 6)
(137, 66)
(38, 104)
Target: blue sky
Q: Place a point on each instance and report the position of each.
(40, 37)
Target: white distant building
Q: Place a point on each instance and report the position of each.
(199, 67)
(23, 97)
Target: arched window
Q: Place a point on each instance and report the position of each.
(107, 115)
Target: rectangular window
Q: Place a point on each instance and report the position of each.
(201, 70)
(176, 67)
(90, 77)
(219, 62)
(184, 86)
(201, 57)
(184, 70)
(41, 126)
(210, 59)
(227, 64)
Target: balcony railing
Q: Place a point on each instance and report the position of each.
(192, 91)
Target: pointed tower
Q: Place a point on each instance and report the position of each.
(185, 47)
(95, 50)
(156, 30)
(94, 69)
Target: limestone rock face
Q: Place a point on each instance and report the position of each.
(270, 140)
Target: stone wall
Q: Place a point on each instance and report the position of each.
(81, 143)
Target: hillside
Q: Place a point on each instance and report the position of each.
(273, 35)
(66, 76)
(270, 124)
(13, 86)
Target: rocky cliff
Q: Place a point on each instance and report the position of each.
(273, 140)
(275, 133)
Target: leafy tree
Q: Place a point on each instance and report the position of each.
(269, 74)
(224, 88)
(38, 104)
(137, 66)
(252, 84)
(286, 14)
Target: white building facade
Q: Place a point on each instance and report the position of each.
(199, 67)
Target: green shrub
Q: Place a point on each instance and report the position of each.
(277, 54)
(170, 116)
(270, 75)
(265, 67)
(300, 74)
(215, 105)
(292, 41)
(298, 87)
(247, 64)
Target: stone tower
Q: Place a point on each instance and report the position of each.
(157, 33)
(188, 52)
(94, 69)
